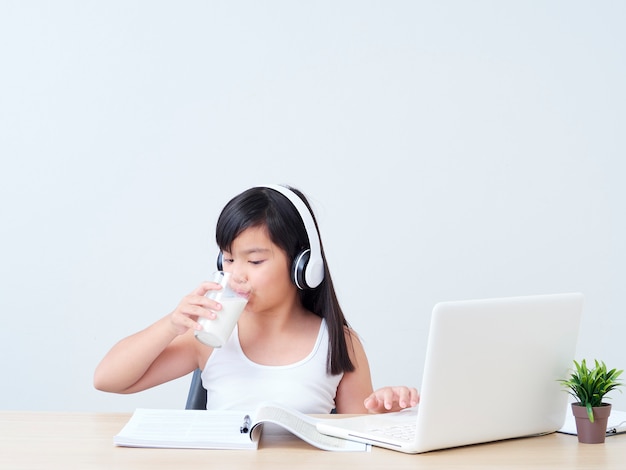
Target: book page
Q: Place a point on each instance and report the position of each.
(304, 427)
(190, 429)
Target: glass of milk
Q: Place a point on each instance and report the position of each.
(216, 332)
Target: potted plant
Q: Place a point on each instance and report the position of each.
(589, 387)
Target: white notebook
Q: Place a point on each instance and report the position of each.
(203, 429)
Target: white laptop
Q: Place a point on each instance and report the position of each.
(491, 373)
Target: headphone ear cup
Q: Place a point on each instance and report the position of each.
(298, 269)
(220, 261)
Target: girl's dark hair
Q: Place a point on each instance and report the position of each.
(264, 207)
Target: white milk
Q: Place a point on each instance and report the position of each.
(216, 332)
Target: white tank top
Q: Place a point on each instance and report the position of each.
(235, 382)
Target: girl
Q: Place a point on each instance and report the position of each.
(292, 343)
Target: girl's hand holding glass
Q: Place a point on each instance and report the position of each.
(217, 328)
(194, 306)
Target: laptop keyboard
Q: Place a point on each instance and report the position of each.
(404, 432)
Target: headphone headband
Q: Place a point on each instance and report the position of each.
(311, 263)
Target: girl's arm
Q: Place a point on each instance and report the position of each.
(355, 386)
(164, 351)
(355, 392)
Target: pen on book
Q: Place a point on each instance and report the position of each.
(247, 422)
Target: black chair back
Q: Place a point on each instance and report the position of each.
(196, 399)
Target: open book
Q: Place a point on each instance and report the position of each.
(615, 425)
(202, 429)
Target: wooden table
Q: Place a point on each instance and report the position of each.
(50, 440)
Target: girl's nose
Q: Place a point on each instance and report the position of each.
(238, 277)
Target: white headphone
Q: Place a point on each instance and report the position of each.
(307, 270)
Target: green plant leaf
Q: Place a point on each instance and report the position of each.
(590, 412)
(589, 386)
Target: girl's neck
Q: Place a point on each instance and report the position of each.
(276, 320)
(277, 340)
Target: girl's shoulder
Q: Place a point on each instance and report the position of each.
(351, 333)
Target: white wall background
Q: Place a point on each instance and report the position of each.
(476, 149)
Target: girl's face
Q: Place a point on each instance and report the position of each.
(259, 268)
